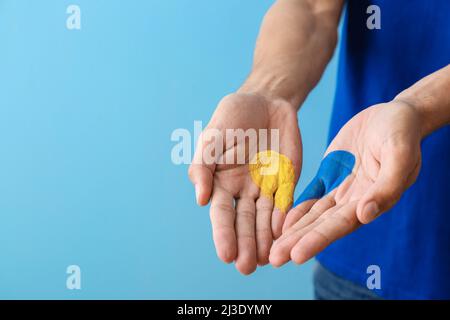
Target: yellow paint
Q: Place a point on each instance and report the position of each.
(274, 173)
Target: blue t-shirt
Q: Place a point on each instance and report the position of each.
(411, 242)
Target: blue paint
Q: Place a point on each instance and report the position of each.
(333, 170)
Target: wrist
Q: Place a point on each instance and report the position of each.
(431, 99)
(275, 86)
(425, 124)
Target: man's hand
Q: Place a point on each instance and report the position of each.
(383, 142)
(244, 221)
(296, 40)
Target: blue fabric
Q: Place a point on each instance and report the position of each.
(333, 170)
(411, 243)
(329, 286)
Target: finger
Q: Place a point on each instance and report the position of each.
(318, 208)
(202, 178)
(336, 225)
(283, 203)
(201, 171)
(278, 218)
(297, 212)
(396, 169)
(245, 231)
(285, 192)
(223, 215)
(281, 249)
(264, 238)
(315, 190)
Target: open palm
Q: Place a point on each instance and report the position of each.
(373, 159)
(244, 221)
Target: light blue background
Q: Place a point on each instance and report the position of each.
(86, 176)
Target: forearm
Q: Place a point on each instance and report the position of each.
(431, 97)
(296, 41)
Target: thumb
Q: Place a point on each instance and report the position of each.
(201, 172)
(397, 172)
(202, 178)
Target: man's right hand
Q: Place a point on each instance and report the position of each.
(244, 221)
(296, 40)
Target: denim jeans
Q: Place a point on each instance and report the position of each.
(328, 286)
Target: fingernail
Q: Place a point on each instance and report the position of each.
(197, 193)
(371, 211)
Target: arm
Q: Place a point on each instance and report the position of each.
(431, 98)
(296, 41)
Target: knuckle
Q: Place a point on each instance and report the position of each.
(263, 206)
(246, 214)
(191, 172)
(220, 208)
(264, 234)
